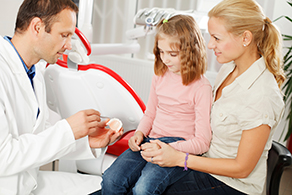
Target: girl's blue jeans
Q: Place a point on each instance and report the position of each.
(130, 173)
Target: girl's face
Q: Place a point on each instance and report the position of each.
(169, 56)
(226, 46)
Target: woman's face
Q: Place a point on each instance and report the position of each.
(226, 46)
(169, 56)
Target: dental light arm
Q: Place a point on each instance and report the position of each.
(149, 17)
(145, 19)
(77, 54)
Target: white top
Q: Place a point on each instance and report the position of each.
(251, 100)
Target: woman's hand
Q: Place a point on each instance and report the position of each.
(135, 141)
(150, 146)
(162, 154)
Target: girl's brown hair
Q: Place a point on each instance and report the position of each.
(188, 39)
(242, 15)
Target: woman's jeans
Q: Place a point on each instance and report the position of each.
(199, 183)
(130, 172)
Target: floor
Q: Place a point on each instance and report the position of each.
(285, 185)
(51, 166)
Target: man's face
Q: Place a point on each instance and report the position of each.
(52, 45)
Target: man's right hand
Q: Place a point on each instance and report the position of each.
(84, 123)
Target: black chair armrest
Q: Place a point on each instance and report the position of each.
(279, 158)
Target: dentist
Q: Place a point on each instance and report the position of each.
(43, 31)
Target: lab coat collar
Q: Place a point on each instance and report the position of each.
(11, 56)
(8, 53)
(30, 72)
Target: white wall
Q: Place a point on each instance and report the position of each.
(8, 12)
(9, 8)
(273, 9)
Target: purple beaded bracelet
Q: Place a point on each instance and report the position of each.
(186, 159)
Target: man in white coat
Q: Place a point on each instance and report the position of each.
(43, 31)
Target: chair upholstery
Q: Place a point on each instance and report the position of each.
(279, 158)
(94, 86)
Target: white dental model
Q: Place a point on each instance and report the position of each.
(115, 124)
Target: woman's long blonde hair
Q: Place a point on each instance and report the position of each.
(188, 39)
(242, 15)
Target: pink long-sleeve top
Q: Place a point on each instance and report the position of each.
(176, 110)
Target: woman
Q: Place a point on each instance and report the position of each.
(246, 109)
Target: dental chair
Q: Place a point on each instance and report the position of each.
(75, 84)
(72, 87)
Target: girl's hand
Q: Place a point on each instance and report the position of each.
(165, 156)
(135, 141)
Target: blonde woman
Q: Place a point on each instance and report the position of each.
(246, 109)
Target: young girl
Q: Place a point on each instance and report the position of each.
(177, 112)
(247, 105)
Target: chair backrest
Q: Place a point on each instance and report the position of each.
(279, 157)
(93, 86)
(97, 87)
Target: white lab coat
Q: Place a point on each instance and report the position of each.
(27, 142)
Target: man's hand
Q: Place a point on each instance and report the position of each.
(103, 136)
(84, 122)
(87, 122)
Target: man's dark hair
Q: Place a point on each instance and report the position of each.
(46, 10)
